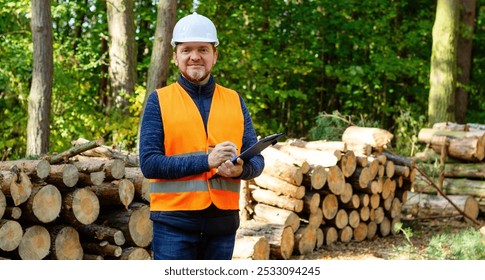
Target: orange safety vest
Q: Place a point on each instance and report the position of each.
(185, 135)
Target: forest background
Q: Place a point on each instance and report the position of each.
(294, 62)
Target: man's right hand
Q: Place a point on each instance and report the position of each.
(222, 152)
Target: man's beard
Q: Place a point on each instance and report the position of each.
(196, 76)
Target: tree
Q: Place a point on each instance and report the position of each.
(161, 51)
(122, 51)
(441, 105)
(464, 56)
(42, 77)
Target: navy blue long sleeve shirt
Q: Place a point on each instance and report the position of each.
(153, 162)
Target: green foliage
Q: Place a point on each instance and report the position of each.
(289, 60)
(465, 245)
(406, 133)
(331, 126)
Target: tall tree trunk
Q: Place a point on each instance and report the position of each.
(443, 62)
(161, 53)
(122, 50)
(42, 76)
(464, 56)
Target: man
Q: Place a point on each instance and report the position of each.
(190, 131)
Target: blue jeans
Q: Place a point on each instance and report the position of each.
(191, 238)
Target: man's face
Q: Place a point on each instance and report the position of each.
(195, 60)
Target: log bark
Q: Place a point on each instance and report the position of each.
(103, 249)
(458, 170)
(35, 243)
(77, 149)
(130, 160)
(277, 216)
(80, 206)
(141, 184)
(322, 145)
(44, 205)
(376, 137)
(281, 238)
(313, 157)
(3, 204)
(280, 169)
(421, 205)
(134, 222)
(271, 198)
(38, 169)
(15, 186)
(118, 192)
(102, 233)
(135, 253)
(279, 186)
(452, 186)
(305, 240)
(10, 235)
(114, 169)
(468, 146)
(63, 175)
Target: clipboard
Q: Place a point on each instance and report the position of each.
(258, 147)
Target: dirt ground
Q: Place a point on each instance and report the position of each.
(391, 247)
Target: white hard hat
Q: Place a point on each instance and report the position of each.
(194, 28)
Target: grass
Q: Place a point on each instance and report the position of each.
(466, 244)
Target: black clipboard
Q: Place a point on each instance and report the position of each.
(258, 147)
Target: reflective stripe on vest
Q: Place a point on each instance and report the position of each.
(185, 135)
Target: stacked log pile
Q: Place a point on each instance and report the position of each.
(71, 206)
(455, 161)
(317, 192)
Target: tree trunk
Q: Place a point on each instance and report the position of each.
(122, 51)
(443, 62)
(464, 56)
(38, 131)
(161, 51)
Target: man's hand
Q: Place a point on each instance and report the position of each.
(228, 169)
(222, 152)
